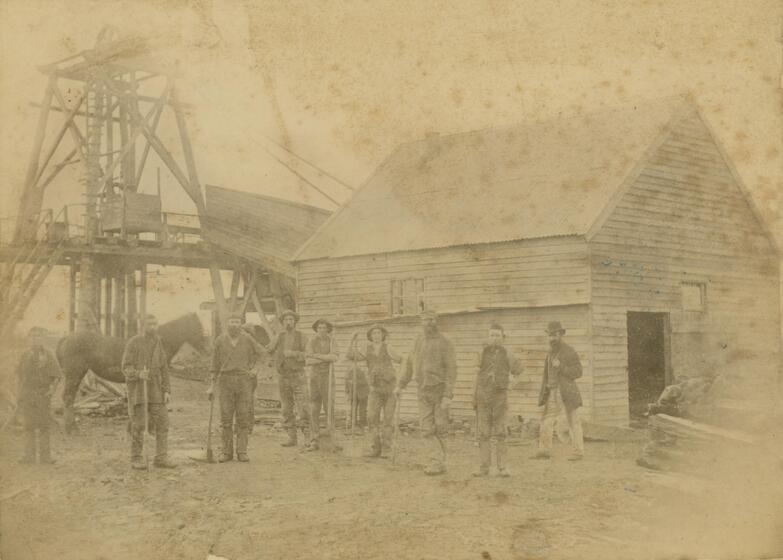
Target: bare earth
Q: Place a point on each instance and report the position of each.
(290, 504)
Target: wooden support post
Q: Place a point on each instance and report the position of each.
(132, 313)
(232, 302)
(217, 290)
(107, 329)
(72, 297)
(262, 317)
(119, 302)
(88, 310)
(143, 292)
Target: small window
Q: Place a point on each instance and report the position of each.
(694, 296)
(407, 296)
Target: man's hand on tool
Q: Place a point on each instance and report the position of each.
(144, 374)
(211, 391)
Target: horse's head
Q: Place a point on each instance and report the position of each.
(187, 328)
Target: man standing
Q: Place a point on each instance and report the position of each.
(320, 354)
(38, 374)
(381, 377)
(288, 349)
(145, 362)
(490, 399)
(559, 391)
(433, 362)
(233, 359)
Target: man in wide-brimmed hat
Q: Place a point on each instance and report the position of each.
(38, 373)
(321, 353)
(288, 349)
(380, 358)
(559, 391)
(434, 364)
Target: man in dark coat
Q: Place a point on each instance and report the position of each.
(38, 374)
(145, 359)
(559, 391)
(288, 349)
(433, 363)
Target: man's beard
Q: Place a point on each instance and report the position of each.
(233, 331)
(554, 343)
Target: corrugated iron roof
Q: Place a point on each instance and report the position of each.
(538, 179)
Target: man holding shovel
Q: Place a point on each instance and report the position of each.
(381, 377)
(233, 359)
(145, 366)
(434, 364)
(320, 355)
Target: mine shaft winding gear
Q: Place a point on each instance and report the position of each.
(146, 353)
(38, 373)
(321, 352)
(490, 400)
(381, 380)
(433, 363)
(288, 349)
(559, 390)
(232, 363)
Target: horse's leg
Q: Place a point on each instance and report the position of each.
(73, 378)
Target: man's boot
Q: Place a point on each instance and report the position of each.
(500, 457)
(291, 441)
(485, 458)
(45, 456)
(29, 447)
(375, 447)
(438, 464)
(242, 446)
(227, 444)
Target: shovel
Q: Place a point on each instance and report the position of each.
(396, 431)
(144, 447)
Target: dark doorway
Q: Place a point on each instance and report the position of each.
(648, 358)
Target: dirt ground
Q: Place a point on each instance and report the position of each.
(290, 504)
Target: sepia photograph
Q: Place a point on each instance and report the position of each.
(391, 279)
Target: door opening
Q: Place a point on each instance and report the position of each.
(648, 358)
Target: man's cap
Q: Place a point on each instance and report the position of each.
(378, 327)
(329, 326)
(555, 327)
(289, 313)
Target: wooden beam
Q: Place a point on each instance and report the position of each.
(58, 168)
(56, 143)
(107, 304)
(22, 227)
(262, 317)
(145, 153)
(217, 289)
(143, 292)
(77, 135)
(72, 297)
(190, 161)
(235, 277)
(132, 321)
(250, 287)
(119, 301)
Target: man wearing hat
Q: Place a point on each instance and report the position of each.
(559, 391)
(288, 349)
(233, 358)
(434, 364)
(381, 378)
(321, 353)
(145, 359)
(38, 373)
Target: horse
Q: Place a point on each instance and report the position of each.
(87, 350)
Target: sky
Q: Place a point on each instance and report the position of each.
(342, 83)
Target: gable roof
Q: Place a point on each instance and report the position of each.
(538, 179)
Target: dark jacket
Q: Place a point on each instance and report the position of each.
(432, 362)
(569, 370)
(38, 370)
(142, 352)
(289, 365)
